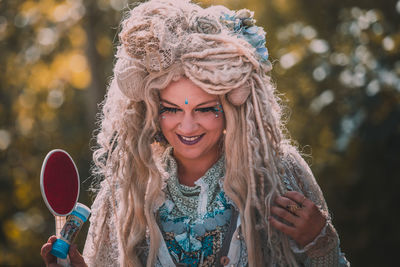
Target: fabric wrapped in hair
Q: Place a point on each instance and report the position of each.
(211, 54)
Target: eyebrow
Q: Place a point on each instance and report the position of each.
(166, 101)
(201, 104)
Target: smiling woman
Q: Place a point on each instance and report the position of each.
(192, 122)
(222, 186)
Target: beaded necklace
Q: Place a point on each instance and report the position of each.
(194, 219)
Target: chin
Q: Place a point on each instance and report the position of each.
(184, 153)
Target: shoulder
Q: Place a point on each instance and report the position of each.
(293, 161)
(104, 194)
(293, 168)
(105, 203)
(101, 247)
(298, 176)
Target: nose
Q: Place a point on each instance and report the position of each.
(188, 124)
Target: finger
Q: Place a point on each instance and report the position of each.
(283, 201)
(48, 258)
(45, 249)
(52, 239)
(75, 257)
(284, 214)
(286, 229)
(286, 203)
(298, 197)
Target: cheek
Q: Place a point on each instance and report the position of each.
(165, 125)
(165, 130)
(217, 125)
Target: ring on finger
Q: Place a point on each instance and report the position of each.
(293, 207)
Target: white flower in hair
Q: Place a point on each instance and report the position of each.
(205, 23)
(242, 23)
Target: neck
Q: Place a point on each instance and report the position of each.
(190, 170)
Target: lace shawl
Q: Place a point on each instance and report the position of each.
(324, 250)
(102, 248)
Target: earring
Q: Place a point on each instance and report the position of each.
(159, 137)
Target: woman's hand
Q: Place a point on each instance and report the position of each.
(75, 257)
(304, 219)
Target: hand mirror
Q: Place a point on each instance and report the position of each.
(59, 182)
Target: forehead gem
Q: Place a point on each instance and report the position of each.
(186, 101)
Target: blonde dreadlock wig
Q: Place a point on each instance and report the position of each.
(224, 53)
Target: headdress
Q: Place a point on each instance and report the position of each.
(217, 48)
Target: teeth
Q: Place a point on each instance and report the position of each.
(190, 138)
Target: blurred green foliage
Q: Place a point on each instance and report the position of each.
(336, 65)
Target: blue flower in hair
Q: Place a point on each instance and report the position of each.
(243, 24)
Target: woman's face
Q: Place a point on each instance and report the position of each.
(191, 120)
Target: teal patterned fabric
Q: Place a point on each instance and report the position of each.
(194, 220)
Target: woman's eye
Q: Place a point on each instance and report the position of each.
(168, 109)
(207, 109)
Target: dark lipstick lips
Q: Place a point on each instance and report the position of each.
(189, 143)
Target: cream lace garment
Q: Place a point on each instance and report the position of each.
(102, 248)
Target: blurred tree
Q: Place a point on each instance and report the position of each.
(336, 63)
(56, 57)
